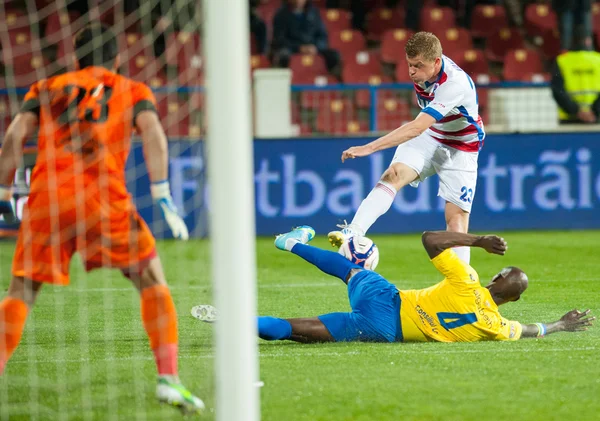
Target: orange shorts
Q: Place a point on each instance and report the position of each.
(104, 236)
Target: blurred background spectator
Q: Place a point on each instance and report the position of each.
(258, 28)
(576, 86)
(574, 23)
(298, 29)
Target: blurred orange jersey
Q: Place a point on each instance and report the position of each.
(86, 120)
(78, 197)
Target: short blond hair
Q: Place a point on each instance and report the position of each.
(425, 44)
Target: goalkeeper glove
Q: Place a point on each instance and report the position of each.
(6, 209)
(161, 193)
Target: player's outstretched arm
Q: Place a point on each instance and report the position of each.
(400, 135)
(20, 129)
(573, 321)
(435, 242)
(156, 155)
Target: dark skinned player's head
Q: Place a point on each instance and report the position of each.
(508, 285)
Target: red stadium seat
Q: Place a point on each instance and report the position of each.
(347, 42)
(437, 19)
(523, 65)
(310, 100)
(142, 67)
(59, 20)
(392, 45)
(335, 115)
(401, 73)
(539, 18)
(363, 97)
(596, 16)
(551, 44)
(176, 117)
(27, 69)
(486, 19)
(183, 49)
(474, 63)
(307, 66)
(361, 65)
(455, 41)
(14, 19)
(336, 20)
(392, 113)
(383, 19)
(259, 62)
(502, 41)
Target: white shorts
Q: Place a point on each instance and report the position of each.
(457, 169)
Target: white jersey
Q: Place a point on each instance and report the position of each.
(452, 101)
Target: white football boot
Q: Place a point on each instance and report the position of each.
(337, 238)
(174, 393)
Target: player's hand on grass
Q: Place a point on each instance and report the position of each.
(356, 152)
(6, 209)
(161, 193)
(493, 244)
(576, 320)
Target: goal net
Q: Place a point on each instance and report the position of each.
(84, 353)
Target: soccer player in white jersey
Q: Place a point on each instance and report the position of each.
(444, 138)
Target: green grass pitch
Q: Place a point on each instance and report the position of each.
(85, 356)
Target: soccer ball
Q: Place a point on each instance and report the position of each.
(361, 251)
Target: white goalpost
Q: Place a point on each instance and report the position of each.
(232, 225)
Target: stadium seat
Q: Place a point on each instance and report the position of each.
(486, 19)
(596, 17)
(539, 18)
(392, 113)
(362, 97)
(455, 41)
(25, 69)
(502, 41)
(551, 44)
(335, 115)
(185, 49)
(401, 72)
(336, 20)
(142, 67)
(14, 19)
(310, 99)
(176, 117)
(474, 63)
(258, 61)
(523, 65)
(381, 20)
(362, 65)
(348, 42)
(392, 45)
(57, 21)
(437, 19)
(307, 66)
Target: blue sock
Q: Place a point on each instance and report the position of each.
(272, 328)
(330, 262)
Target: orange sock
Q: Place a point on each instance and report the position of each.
(13, 314)
(160, 321)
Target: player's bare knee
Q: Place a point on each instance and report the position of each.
(151, 275)
(399, 175)
(392, 176)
